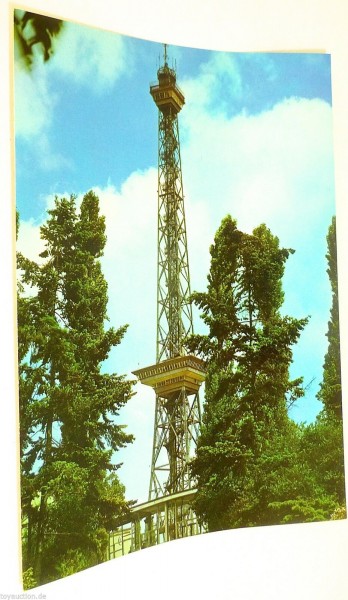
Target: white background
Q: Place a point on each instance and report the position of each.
(306, 562)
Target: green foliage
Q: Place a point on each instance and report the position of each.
(254, 466)
(29, 579)
(323, 440)
(303, 510)
(72, 562)
(330, 391)
(71, 494)
(339, 513)
(246, 435)
(31, 30)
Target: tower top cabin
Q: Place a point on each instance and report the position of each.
(166, 93)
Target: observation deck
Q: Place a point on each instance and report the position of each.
(173, 374)
(166, 93)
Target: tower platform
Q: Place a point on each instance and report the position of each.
(173, 374)
(166, 93)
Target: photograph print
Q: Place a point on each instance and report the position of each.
(177, 294)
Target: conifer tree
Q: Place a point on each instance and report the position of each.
(330, 390)
(323, 441)
(246, 431)
(68, 406)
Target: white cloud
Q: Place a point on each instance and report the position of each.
(34, 102)
(219, 81)
(80, 54)
(90, 59)
(29, 242)
(275, 167)
(129, 263)
(138, 414)
(49, 159)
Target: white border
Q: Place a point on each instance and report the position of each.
(293, 562)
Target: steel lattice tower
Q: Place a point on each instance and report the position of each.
(176, 376)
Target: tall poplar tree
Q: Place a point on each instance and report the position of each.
(330, 390)
(246, 433)
(324, 438)
(68, 406)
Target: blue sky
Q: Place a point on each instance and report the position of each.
(256, 142)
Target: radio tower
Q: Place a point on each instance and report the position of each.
(176, 376)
